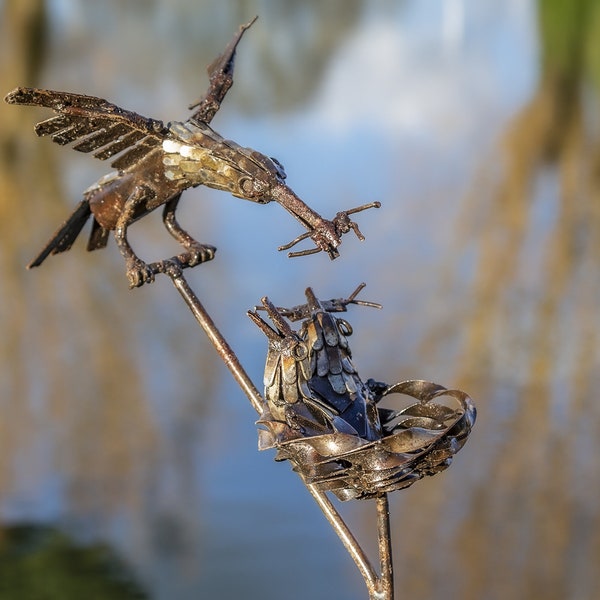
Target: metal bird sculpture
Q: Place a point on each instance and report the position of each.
(155, 162)
(321, 416)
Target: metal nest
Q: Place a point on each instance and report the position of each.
(327, 422)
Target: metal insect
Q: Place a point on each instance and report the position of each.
(322, 417)
(156, 162)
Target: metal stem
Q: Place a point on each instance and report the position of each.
(218, 341)
(385, 583)
(350, 543)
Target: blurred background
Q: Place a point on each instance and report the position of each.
(128, 461)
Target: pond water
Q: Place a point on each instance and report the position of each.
(121, 429)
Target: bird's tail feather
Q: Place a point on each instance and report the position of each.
(98, 237)
(66, 234)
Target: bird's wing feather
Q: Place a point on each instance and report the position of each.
(95, 125)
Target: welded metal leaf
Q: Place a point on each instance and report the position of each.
(334, 359)
(337, 383)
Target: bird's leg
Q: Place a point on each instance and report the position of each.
(197, 252)
(321, 231)
(321, 235)
(138, 271)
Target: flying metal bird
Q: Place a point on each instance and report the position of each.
(155, 162)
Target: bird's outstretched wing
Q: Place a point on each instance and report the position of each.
(95, 125)
(107, 130)
(220, 73)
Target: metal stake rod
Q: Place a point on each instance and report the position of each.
(218, 341)
(385, 583)
(380, 588)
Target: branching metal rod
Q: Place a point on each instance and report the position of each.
(385, 583)
(217, 340)
(350, 543)
(379, 587)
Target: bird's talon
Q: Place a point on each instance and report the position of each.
(199, 253)
(138, 273)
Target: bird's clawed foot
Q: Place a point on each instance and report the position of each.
(197, 253)
(327, 235)
(138, 272)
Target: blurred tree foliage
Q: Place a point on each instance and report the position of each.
(569, 36)
(59, 327)
(554, 130)
(570, 57)
(530, 341)
(39, 563)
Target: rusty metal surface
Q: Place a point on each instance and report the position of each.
(155, 162)
(322, 417)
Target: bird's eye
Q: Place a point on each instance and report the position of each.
(300, 351)
(246, 185)
(344, 327)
